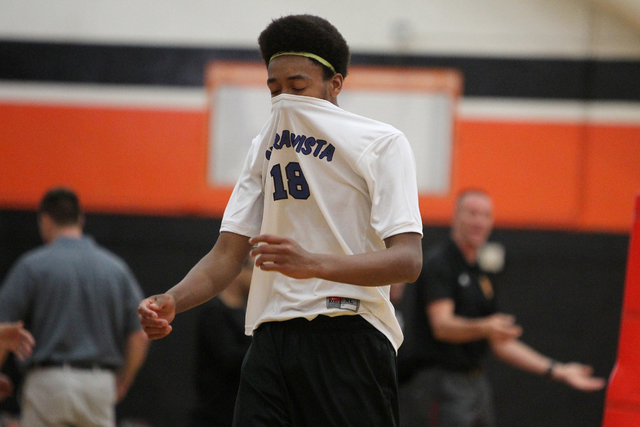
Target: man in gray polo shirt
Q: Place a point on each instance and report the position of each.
(79, 301)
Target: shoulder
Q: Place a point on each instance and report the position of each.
(35, 254)
(108, 258)
(28, 268)
(376, 131)
(389, 149)
(349, 122)
(33, 258)
(107, 255)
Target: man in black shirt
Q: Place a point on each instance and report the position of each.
(451, 320)
(221, 346)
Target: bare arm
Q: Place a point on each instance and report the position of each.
(520, 355)
(449, 327)
(213, 273)
(15, 338)
(135, 355)
(401, 261)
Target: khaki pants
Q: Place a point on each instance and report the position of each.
(64, 396)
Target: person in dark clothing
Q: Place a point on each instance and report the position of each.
(451, 322)
(220, 349)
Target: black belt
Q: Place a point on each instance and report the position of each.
(74, 365)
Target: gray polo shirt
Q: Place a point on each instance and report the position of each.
(77, 299)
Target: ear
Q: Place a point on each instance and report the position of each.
(335, 85)
(45, 226)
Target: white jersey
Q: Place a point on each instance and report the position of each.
(336, 183)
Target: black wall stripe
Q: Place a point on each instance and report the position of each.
(84, 63)
(576, 79)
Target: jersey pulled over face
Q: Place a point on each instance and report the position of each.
(334, 182)
(299, 75)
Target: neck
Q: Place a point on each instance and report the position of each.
(72, 231)
(469, 252)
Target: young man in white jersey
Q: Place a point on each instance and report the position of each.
(327, 205)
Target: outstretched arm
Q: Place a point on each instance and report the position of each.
(214, 272)
(401, 261)
(520, 355)
(450, 327)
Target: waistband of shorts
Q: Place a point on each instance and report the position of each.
(84, 365)
(326, 323)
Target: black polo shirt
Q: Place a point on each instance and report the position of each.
(445, 275)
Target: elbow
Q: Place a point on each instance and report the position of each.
(413, 268)
(406, 262)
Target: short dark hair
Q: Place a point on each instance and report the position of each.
(306, 33)
(62, 205)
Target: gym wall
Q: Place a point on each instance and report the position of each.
(110, 100)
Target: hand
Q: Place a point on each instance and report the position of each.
(502, 327)
(156, 313)
(283, 255)
(15, 338)
(6, 387)
(578, 376)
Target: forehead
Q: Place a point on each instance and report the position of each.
(286, 66)
(476, 201)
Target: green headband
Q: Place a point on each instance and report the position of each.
(307, 55)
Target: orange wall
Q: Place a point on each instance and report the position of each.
(153, 161)
(572, 176)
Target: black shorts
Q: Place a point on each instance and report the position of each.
(331, 371)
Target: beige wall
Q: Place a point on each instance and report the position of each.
(566, 28)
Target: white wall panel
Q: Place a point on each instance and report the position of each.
(567, 28)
